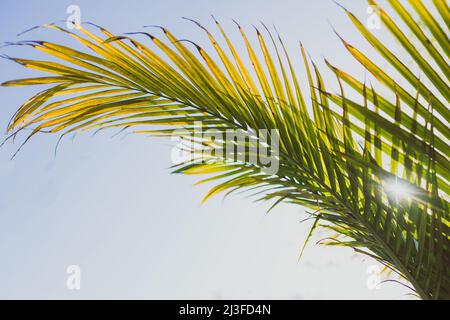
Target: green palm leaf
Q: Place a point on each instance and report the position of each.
(337, 156)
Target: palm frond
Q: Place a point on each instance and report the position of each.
(337, 156)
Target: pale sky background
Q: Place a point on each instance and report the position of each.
(111, 206)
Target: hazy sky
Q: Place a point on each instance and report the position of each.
(110, 206)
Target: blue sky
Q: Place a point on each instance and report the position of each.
(110, 205)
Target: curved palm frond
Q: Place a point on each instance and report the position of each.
(332, 152)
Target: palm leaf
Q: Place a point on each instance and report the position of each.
(167, 87)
